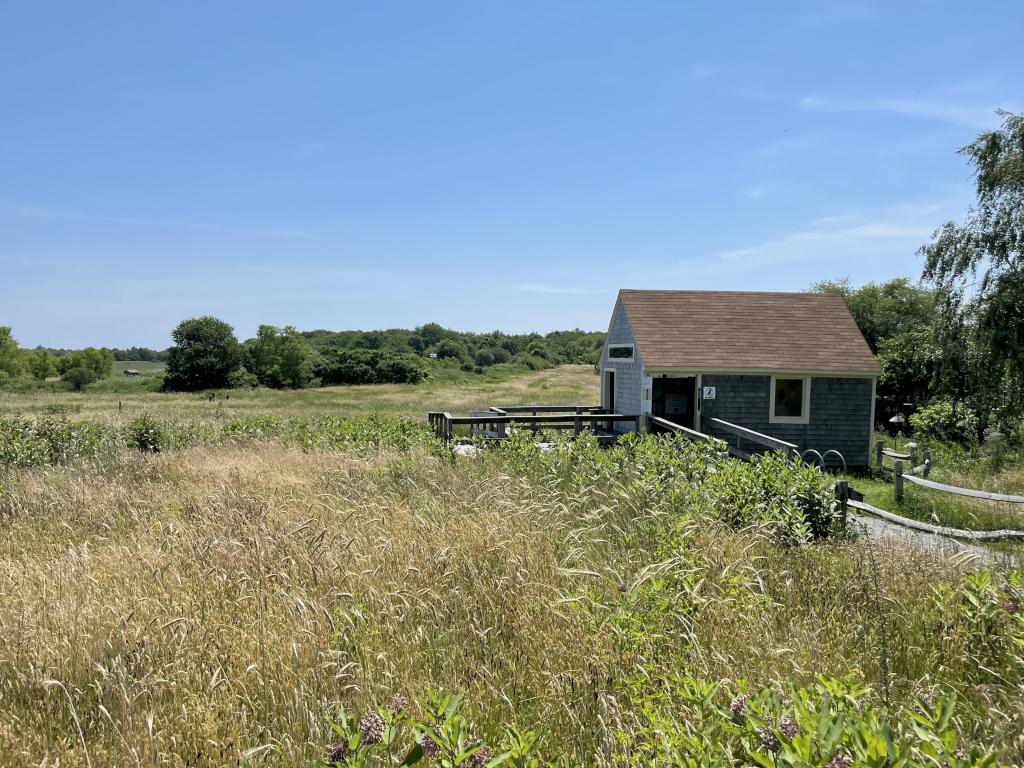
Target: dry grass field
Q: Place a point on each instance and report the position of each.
(575, 384)
(215, 605)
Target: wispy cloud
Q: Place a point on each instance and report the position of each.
(54, 214)
(906, 226)
(976, 116)
(559, 290)
(702, 71)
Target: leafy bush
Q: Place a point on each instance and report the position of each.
(836, 723)
(242, 378)
(365, 366)
(441, 737)
(147, 434)
(27, 443)
(941, 421)
(80, 377)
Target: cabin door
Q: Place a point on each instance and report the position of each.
(674, 399)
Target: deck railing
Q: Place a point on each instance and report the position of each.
(493, 425)
(743, 433)
(690, 434)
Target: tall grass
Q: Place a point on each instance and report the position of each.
(216, 603)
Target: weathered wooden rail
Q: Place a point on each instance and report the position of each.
(691, 434)
(494, 425)
(923, 469)
(743, 433)
(536, 409)
(938, 530)
(911, 477)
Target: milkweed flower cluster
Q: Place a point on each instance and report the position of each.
(371, 726)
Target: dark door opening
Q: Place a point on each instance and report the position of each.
(609, 391)
(673, 399)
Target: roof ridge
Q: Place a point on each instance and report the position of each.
(707, 291)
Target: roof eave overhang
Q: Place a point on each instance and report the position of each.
(739, 371)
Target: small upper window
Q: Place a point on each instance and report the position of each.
(620, 351)
(790, 400)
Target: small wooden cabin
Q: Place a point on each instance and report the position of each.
(790, 365)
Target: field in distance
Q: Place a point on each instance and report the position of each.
(122, 398)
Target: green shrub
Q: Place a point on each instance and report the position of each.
(147, 434)
(941, 421)
(241, 378)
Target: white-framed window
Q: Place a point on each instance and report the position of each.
(789, 400)
(620, 353)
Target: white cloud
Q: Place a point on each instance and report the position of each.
(852, 233)
(35, 212)
(976, 116)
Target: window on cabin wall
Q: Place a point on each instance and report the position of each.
(790, 400)
(622, 352)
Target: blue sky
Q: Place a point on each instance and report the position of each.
(481, 164)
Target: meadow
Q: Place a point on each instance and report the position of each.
(119, 399)
(281, 584)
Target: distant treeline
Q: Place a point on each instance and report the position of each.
(207, 355)
(132, 354)
(77, 367)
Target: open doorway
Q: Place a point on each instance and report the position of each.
(675, 399)
(608, 400)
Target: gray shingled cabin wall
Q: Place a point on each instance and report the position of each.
(840, 414)
(628, 375)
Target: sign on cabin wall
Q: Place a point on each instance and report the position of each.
(708, 393)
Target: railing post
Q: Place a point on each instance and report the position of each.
(913, 456)
(577, 423)
(927, 461)
(899, 480)
(879, 447)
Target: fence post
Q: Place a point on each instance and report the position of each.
(879, 447)
(899, 480)
(927, 461)
(843, 494)
(577, 423)
(913, 456)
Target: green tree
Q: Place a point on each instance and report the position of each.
(452, 349)
(11, 361)
(978, 267)
(282, 358)
(884, 310)
(908, 363)
(80, 377)
(99, 361)
(205, 352)
(40, 364)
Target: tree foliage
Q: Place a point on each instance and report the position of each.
(204, 354)
(884, 310)
(977, 268)
(11, 364)
(100, 362)
(281, 358)
(79, 377)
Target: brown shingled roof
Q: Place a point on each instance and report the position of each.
(747, 330)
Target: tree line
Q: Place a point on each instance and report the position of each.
(77, 367)
(207, 355)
